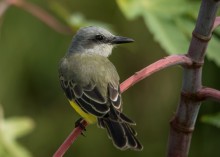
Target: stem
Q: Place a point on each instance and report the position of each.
(154, 67)
(182, 125)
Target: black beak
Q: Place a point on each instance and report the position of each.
(121, 40)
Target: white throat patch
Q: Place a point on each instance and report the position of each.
(101, 49)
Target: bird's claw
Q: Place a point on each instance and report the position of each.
(78, 123)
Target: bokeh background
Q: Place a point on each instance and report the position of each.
(29, 87)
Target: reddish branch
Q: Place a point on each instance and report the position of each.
(209, 93)
(69, 140)
(138, 76)
(203, 94)
(156, 66)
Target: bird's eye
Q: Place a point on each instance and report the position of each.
(99, 37)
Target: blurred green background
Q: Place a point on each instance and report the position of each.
(29, 57)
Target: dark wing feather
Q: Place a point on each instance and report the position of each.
(87, 107)
(126, 119)
(115, 96)
(95, 95)
(99, 107)
(88, 97)
(77, 90)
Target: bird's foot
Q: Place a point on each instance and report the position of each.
(78, 123)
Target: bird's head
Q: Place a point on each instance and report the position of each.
(95, 40)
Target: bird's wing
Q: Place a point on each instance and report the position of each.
(115, 96)
(116, 102)
(88, 97)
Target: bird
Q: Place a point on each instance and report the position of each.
(91, 84)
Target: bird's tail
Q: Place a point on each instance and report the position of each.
(120, 131)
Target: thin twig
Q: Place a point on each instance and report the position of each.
(154, 67)
(69, 140)
(209, 93)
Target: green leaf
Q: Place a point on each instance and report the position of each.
(18, 126)
(212, 119)
(167, 34)
(165, 19)
(171, 22)
(10, 130)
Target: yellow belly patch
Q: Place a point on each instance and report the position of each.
(88, 117)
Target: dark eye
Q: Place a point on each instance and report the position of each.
(99, 37)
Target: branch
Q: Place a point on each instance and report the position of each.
(69, 140)
(154, 67)
(209, 93)
(138, 76)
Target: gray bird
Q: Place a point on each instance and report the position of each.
(91, 84)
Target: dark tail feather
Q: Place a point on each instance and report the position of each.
(116, 133)
(126, 119)
(133, 142)
(122, 135)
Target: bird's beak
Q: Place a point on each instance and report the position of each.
(121, 40)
